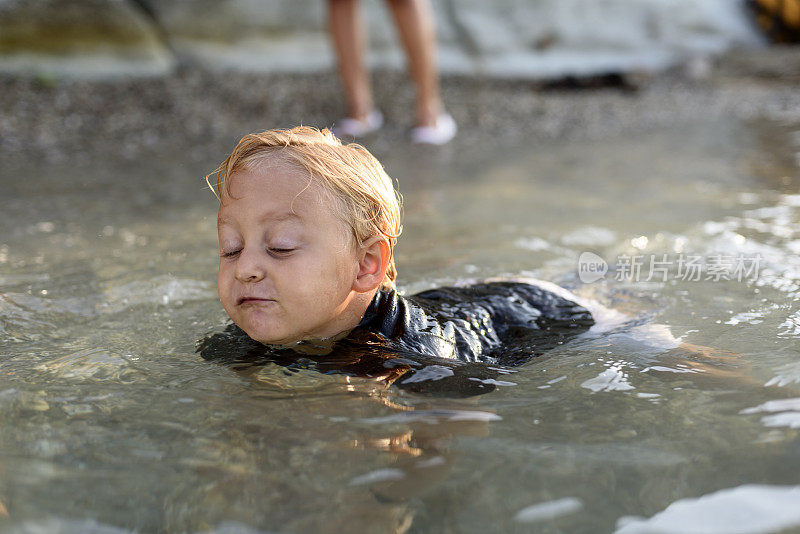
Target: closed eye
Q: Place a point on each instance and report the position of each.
(229, 254)
(281, 251)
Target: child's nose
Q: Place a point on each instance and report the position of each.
(249, 268)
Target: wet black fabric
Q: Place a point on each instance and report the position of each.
(499, 322)
(447, 341)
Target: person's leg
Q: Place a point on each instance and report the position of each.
(414, 21)
(349, 41)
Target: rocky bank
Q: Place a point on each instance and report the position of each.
(200, 113)
(519, 39)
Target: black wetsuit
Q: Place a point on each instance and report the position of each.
(501, 323)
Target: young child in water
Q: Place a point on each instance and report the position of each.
(307, 228)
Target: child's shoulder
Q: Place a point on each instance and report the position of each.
(514, 301)
(479, 321)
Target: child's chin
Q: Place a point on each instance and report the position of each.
(269, 338)
(258, 332)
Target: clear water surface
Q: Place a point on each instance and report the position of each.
(111, 422)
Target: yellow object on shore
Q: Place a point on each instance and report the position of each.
(780, 19)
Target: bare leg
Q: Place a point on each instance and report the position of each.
(349, 40)
(414, 21)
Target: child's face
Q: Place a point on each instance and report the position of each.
(287, 263)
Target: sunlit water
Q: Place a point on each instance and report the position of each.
(111, 421)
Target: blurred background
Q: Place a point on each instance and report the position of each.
(200, 68)
(530, 39)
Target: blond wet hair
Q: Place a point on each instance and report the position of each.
(356, 180)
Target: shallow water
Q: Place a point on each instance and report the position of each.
(111, 421)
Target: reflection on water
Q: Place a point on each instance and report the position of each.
(112, 421)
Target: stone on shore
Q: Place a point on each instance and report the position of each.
(506, 39)
(84, 39)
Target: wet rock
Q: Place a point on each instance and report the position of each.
(558, 38)
(503, 39)
(528, 39)
(279, 35)
(90, 38)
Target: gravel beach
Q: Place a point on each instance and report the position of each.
(196, 111)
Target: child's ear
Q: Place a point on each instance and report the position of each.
(373, 260)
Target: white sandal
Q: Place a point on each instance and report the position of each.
(350, 127)
(440, 133)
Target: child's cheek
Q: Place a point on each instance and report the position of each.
(224, 282)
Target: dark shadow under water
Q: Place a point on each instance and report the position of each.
(399, 340)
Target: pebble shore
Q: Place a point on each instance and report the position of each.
(64, 121)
